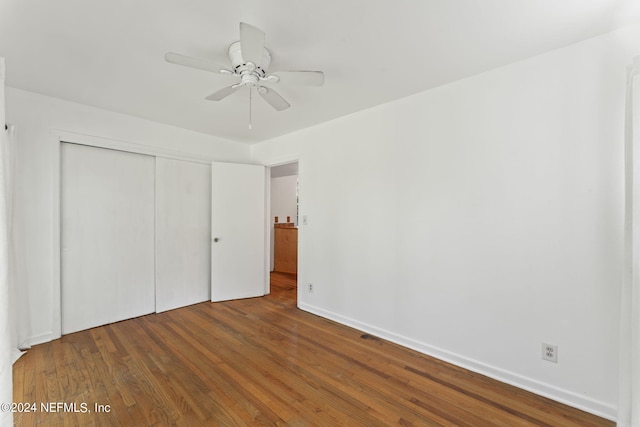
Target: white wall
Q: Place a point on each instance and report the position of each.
(35, 116)
(284, 198)
(284, 203)
(479, 219)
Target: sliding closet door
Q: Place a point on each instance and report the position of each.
(183, 233)
(107, 215)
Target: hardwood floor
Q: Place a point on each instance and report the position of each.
(261, 361)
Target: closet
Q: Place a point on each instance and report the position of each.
(135, 233)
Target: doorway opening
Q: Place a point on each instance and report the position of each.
(283, 214)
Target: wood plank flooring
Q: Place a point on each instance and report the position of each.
(261, 361)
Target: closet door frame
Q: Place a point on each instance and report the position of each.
(61, 137)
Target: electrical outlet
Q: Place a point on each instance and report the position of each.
(305, 220)
(310, 287)
(550, 352)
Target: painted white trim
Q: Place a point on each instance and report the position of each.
(131, 147)
(281, 161)
(56, 241)
(566, 397)
(15, 355)
(285, 161)
(267, 229)
(301, 227)
(39, 339)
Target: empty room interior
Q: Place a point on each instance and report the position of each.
(418, 212)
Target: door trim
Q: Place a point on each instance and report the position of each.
(283, 161)
(131, 147)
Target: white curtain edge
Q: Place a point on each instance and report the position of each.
(629, 369)
(6, 365)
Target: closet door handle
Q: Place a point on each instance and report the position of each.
(216, 239)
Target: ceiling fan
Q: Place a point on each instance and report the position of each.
(250, 61)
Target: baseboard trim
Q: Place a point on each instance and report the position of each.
(15, 355)
(566, 397)
(38, 339)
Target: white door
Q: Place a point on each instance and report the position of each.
(183, 233)
(108, 245)
(238, 268)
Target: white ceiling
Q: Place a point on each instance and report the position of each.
(110, 54)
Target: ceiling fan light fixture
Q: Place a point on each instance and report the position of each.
(250, 79)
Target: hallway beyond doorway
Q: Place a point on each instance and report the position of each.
(284, 287)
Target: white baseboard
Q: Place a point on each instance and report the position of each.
(566, 397)
(16, 354)
(38, 339)
(28, 343)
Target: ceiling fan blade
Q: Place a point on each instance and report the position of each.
(223, 93)
(201, 64)
(251, 43)
(301, 78)
(273, 98)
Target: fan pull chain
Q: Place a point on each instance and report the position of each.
(249, 108)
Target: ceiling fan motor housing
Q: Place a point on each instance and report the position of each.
(251, 73)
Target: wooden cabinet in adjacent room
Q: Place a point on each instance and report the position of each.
(285, 256)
